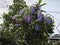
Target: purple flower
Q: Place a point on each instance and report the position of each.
(21, 11)
(32, 9)
(40, 7)
(39, 16)
(36, 27)
(28, 18)
(47, 20)
(14, 17)
(17, 24)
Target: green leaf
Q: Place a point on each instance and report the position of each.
(43, 11)
(43, 4)
(40, 1)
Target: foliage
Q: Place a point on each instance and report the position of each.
(26, 26)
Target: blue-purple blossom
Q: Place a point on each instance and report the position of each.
(40, 7)
(14, 17)
(47, 20)
(36, 27)
(39, 16)
(17, 24)
(28, 18)
(32, 9)
(21, 11)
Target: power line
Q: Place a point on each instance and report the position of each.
(53, 11)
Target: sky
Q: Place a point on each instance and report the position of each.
(51, 5)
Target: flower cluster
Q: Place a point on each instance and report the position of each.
(47, 20)
(29, 17)
(32, 10)
(39, 16)
(21, 11)
(36, 27)
(14, 17)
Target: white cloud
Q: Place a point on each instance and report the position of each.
(31, 2)
(5, 3)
